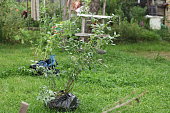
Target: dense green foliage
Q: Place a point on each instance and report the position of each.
(121, 8)
(10, 19)
(134, 33)
(131, 18)
(99, 80)
(120, 74)
(133, 26)
(165, 34)
(14, 28)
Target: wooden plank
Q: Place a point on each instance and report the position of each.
(83, 34)
(94, 16)
(24, 107)
(89, 34)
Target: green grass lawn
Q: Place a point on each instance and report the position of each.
(122, 72)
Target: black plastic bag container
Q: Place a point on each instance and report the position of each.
(66, 102)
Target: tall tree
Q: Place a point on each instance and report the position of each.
(64, 4)
(94, 6)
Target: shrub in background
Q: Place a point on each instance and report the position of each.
(120, 7)
(27, 36)
(10, 19)
(1, 30)
(138, 13)
(134, 33)
(149, 35)
(164, 33)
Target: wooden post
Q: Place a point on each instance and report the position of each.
(83, 28)
(83, 25)
(104, 10)
(24, 107)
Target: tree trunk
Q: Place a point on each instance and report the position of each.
(69, 9)
(94, 6)
(52, 1)
(64, 3)
(104, 9)
(35, 9)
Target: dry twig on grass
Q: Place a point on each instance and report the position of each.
(121, 104)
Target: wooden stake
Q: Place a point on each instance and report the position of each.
(24, 107)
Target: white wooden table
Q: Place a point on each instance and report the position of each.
(84, 16)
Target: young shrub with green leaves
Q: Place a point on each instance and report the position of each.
(81, 55)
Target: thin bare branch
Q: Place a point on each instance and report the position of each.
(125, 103)
(120, 101)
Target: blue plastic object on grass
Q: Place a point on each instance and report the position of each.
(42, 63)
(49, 64)
(52, 60)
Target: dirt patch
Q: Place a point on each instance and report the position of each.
(153, 54)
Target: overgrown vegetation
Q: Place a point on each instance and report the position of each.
(134, 33)
(10, 19)
(131, 17)
(121, 74)
(100, 79)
